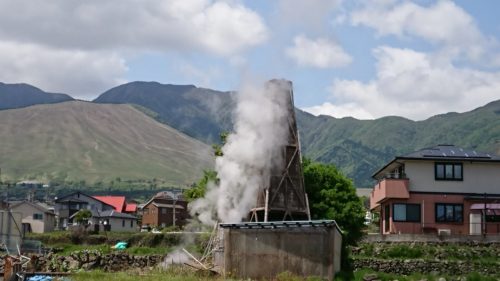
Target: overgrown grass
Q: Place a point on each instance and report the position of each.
(106, 249)
(486, 254)
(175, 273)
(178, 273)
(358, 275)
(70, 241)
(404, 251)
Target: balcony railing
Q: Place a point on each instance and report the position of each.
(387, 188)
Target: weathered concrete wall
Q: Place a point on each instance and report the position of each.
(10, 229)
(264, 253)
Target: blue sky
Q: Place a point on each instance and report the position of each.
(365, 59)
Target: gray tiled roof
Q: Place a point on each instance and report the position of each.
(443, 152)
(109, 214)
(114, 214)
(446, 151)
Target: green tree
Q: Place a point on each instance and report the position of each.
(83, 216)
(218, 147)
(199, 189)
(333, 196)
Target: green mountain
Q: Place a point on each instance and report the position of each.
(357, 147)
(74, 141)
(197, 112)
(22, 95)
(100, 142)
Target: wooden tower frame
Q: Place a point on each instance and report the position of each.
(285, 197)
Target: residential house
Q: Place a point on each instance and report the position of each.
(68, 205)
(119, 203)
(165, 209)
(111, 220)
(36, 217)
(444, 190)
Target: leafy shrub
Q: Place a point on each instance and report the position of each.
(404, 251)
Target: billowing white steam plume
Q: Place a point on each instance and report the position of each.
(260, 131)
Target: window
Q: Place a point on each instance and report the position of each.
(163, 210)
(449, 212)
(123, 223)
(492, 218)
(38, 216)
(449, 171)
(131, 223)
(406, 212)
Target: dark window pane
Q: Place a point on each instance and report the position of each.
(440, 171)
(458, 171)
(493, 218)
(449, 212)
(440, 213)
(413, 213)
(458, 213)
(399, 212)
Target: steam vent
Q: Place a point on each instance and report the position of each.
(279, 235)
(285, 197)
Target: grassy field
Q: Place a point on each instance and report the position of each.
(187, 274)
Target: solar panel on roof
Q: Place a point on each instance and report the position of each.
(452, 152)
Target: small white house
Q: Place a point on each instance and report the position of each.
(111, 220)
(39, 217)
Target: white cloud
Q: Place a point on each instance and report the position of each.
(443, 23)
(309, 14)
(222, 28)
(414, 85)
(82, 74)
(204, 78)
(80, 47)
(321, 53)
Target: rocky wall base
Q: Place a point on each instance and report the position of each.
(407, 267)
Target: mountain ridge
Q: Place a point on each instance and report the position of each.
(21, 95)
(357, 147)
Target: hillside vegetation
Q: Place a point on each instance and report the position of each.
(200, 113)
(357, 147)
(360, 147)
(75, 141)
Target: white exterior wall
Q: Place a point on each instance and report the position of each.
(478, 177)
(117, 225)
(47, 223)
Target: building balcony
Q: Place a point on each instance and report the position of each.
(389, 188)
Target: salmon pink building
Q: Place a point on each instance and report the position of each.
(444, 190)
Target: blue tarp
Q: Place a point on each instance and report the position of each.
(46, 278)
(120, 246)
(40, 278)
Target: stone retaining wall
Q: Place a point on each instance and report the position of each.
(89, 260)
(408, 267)
(490, 238)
